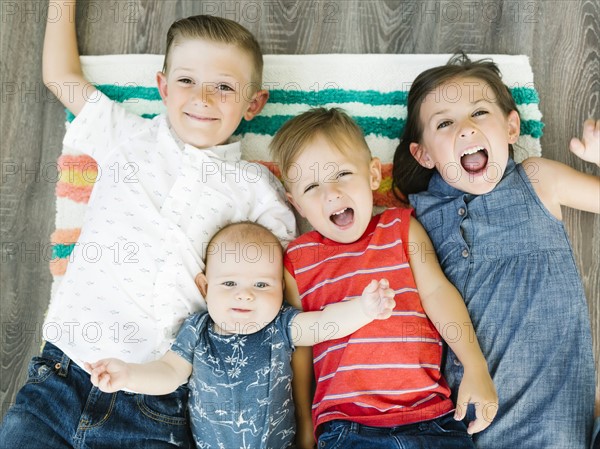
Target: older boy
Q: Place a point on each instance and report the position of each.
(381, 386)
(150, 231)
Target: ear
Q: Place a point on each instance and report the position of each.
(290, 198)
(375, 172)
(201, 283)
(514, 126)
(161, 81)
(420, 155)
(257, 104)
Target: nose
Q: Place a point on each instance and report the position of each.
(205, 93)
(467, 129)
(244, 294)
(332, 192)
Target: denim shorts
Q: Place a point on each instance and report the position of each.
(58, 407)
(440, 433)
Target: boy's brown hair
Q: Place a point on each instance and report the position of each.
(333, 124)
(217, 30)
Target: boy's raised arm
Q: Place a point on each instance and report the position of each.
(61, 68)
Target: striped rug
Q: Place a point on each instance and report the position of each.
(373, 88)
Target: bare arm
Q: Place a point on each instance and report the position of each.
(302, 381)
(340, 319)
(162, 376)
(61, 68)
(446, 309)
(559, 185)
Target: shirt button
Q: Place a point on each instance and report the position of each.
(456, 362)
(465, 253)
(462, 211)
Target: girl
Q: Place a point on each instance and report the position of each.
(497, 229)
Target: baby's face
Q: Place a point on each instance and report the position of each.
(207, 91)
(333, 190)
(245, 285)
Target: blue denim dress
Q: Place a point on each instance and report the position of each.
(513, 264)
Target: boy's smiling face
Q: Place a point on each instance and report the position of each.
(333, 190)
(208, 90)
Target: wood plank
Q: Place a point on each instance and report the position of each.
(563, 49)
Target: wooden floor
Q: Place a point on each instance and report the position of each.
(560, 37)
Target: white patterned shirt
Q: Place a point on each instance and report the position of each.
(155, 205)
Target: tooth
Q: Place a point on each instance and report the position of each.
(472, 150)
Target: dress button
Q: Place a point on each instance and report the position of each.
(57, 366)
(456, 362)
(462, 211)
(465, 253)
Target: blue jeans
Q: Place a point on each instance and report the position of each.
(440, 433)
(58, 407)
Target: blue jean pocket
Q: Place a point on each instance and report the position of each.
(168, 409)
(448, 426)
(39, 369)
(333, 435)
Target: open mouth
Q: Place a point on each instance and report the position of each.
(343, 217)
(474, 160)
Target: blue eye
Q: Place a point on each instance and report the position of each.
(225, 88)
(261, 285)
(229, 284)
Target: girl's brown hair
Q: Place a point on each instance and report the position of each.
(408, 175)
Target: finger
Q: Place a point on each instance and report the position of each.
(384, 284)
(372, 287)
(485, 414)
(461, 407)
(577, 147)
(477, 426)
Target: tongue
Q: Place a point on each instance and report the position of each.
(474, 162)
(343, 219)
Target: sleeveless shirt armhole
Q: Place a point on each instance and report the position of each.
(405, 215)
(532, 193)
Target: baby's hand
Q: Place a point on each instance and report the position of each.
(477, 388)
(378, 300)
(589, 148)
(109, 375)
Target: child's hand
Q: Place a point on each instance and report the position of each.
(589, 148)
(477, 388)
(109, 375)
(377, 300)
